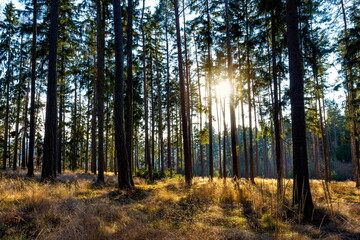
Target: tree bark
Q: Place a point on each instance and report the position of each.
(23, 148)
(185, 124)
(129, 86)
(124, 176)
(100, 36)
(168, 92)
(146, 109)
(301, 190)
(209, 61)
(18, 100)
(93, 129)
(50, 156)
(236, 168)
(30, 165)
(277, 127)
(201, 110)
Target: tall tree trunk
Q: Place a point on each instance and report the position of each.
(218, 120)
(100, 36)
(243, 124)
(256, 141)
(185, 124)
(201, 110)
(146, 109)
(30, 166)
(129, 86)
(106, 156)
(168, 92)
(224, 143)
(124, 176)
(187, 81)
(322, 132)
(159, 105)
(74, 137)
(87, 134)
(209, 61)
(23, 148)
(232, 104)
(61, 123)
(249, 83)
(152, 113)
(50, 156)
(244, 140)
(93, 129)
(7, 106)
(18, 100)
(277, 127)
(301, 190)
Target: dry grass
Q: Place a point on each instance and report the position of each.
(74, 208)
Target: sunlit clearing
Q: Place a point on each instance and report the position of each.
(223, 89)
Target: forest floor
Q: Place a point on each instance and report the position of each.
(75, 208)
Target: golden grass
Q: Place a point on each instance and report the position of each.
(74, 208)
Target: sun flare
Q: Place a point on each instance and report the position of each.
(223, 89)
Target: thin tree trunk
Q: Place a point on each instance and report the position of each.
(236, 168)
(129, 87)
(201, 110)
(23, 150)
(30, 166)
(246, 174)
(277, 127)
(188, 83)
(211, 160)
(146, 109)
(152, 114)
(244, 140)
(100, 36)
(315, 155)
(168, 92)
(185, 126)
(106, 158)
(219, 136)
(160, 124)
(224, 143)
(87, 135)
(74, 138)
(19, 89)
(7, 106)
(323, 141)
(249, 83)
(93, 129)
(256, 142)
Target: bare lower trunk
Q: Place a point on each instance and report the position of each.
(185, 124)
(301, 189)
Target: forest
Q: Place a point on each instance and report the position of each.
(191, 119)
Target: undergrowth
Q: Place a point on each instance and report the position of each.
(74, 208)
